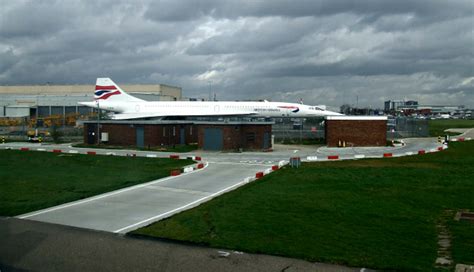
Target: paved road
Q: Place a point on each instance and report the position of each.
(36, 246)
(280, 152)
(128, 209)
(411, 147)
(466, 133)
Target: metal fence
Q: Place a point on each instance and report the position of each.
(298, 130)
(404, 127)
(312, 130)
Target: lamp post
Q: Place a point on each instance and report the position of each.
(209, 90)
(98, 122)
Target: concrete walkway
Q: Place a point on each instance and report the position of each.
(127, 209)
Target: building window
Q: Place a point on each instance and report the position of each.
(164, 132)
(190, 130)
(174, 131)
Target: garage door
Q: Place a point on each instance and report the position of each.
(213, 139)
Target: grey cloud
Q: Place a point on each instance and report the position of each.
(266, 36)
(169, 10)
(325, 52)
(29, 20)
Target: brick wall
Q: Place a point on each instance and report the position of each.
(249, 137)
(356, 132)
(259, 131)
(157, 135)
(123, 135)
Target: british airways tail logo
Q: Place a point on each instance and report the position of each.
(104, 92)
(293, 109)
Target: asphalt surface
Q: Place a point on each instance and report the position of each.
(279, 153)
(36, 246)
(466, 133)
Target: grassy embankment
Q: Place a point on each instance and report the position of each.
(31, 181)
(377, 213)
(437, 127)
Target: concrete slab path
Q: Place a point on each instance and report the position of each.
(127, 209)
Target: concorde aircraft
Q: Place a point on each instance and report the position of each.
(109, 96)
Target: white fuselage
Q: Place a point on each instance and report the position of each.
(211, 108)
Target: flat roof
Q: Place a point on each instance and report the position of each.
(356, 118)
(86, 89)
(178, 122)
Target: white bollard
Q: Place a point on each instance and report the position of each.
(188, 169)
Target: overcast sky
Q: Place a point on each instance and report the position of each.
(325, 52)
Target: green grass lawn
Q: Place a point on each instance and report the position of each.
(377, 213)
(437, 127)
(31, 181)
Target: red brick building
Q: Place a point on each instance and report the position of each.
(208, 135)
(356, 130)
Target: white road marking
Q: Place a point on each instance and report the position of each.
(105, 195)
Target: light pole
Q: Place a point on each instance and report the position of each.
(209, 90)
(98, 122)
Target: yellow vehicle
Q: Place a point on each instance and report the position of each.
(35, 135)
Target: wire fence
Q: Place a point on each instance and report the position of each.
(312, 130)
(298, 130)
(403, 127)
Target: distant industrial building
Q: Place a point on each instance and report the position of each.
(394, 105)
(413, 108)
(45, 100)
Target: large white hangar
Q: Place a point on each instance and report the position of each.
(46, 100)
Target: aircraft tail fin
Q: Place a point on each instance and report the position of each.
(106, 89)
